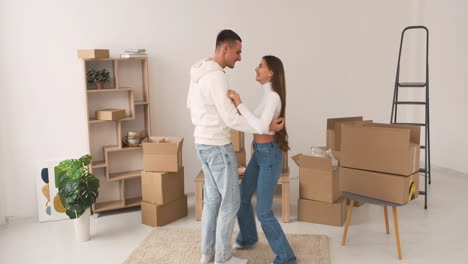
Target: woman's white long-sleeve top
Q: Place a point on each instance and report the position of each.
(268, 109)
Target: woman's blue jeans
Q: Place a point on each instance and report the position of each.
(261, 175)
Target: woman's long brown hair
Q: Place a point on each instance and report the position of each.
(278, 83)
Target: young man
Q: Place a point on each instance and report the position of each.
(213, 115)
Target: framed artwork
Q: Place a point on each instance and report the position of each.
(49, 204)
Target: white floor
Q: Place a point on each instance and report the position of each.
(436, 235)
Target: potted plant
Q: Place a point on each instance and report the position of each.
(98, 77)
(78, 190)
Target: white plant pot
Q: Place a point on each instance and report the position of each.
(82, 226)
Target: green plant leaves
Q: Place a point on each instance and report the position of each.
(98, 76)
(77, 187)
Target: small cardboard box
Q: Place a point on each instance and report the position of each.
(162, 187)
(163, 154)
(334, 130)
(241, 158)
(93, 53)
(321, 212)
(317, 180)
(237, 139)
(159, 215)
(381, 147)
(110, 114)
(387, 187)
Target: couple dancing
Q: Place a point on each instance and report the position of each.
(215, 110)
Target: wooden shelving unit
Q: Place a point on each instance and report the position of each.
(118, 167)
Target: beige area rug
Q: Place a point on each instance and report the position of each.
(182, 246)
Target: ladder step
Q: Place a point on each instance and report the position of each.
(422, 170)
(412, 84)
(422, 193)
(410, 103)
(423, 147)
(412, 124)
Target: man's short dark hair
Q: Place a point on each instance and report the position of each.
(227, 35)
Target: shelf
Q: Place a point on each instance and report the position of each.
(133, 201)
(95, 121)
(124, 175)
(106, 206)
(117, 149)
(109, 90)
(141, 102)
(116, 59)
(98, 164)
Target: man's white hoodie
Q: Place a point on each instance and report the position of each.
(212, 112)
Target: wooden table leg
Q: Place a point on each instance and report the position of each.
(198, 199)
(386, 220)
(397, 232)
(285, 201)
(348, 219)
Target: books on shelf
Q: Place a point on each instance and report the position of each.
(130, 55)
(134, 53)
(135, 50)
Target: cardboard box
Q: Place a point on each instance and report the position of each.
(237, 139)
(93, 53)
(163, 154)
(317, 180)
(241, 158)
(285, 162)
(162, 187)
(110, 114)
(387, 187)
(159, 215)
(321, 212)
(381, 147)
(334, 130)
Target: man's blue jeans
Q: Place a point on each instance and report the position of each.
(262, 176)
(221, 199)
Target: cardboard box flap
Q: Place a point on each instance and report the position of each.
(170, 146)
(384, 138)
(414, 131)
(306, 161)
(331, 122)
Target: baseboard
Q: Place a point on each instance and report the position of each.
(20, 219)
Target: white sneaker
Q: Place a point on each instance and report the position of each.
(236, 246)
(205, 259)
(234, 260)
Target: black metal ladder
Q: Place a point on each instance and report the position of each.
(393, 119)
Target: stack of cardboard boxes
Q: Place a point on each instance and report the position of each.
(380, 161)
(320, 199)
(162, 181)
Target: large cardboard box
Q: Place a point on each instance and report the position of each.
(387, 187)
(241, 158)
(237, 139)
(334, 130)
(93, 53)
(159, 215)
(381, 147)
(321, 212)
(163, 154)
(317, 180)
(110, 114)
(162, 187)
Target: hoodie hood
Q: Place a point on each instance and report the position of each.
(200, 69)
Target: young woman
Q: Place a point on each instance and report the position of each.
(266, 164)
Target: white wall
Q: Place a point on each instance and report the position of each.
(340, 60)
